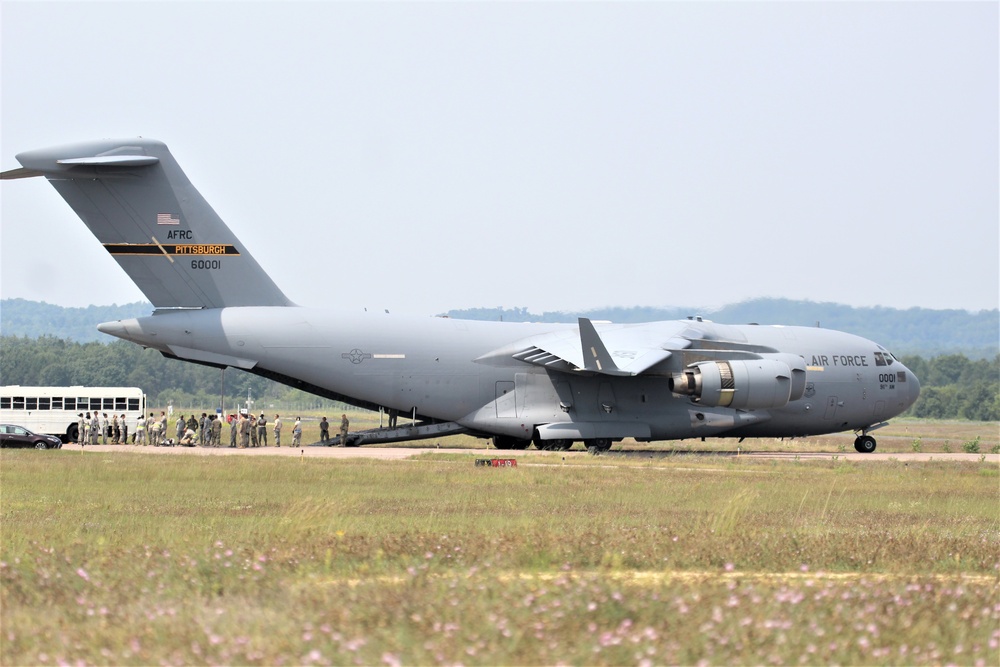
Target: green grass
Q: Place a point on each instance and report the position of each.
(131, 559)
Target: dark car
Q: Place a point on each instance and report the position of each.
(18, 436)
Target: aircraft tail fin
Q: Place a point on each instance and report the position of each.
(138, 202)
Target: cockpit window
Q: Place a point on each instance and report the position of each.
(883, 358)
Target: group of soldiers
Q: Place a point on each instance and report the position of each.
(244, 430)
(97, 428)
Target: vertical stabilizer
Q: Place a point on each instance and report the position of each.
(137, 201)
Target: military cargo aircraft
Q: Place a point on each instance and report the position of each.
(517, 383)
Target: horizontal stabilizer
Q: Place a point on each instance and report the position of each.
(110, 161)
(21, 172)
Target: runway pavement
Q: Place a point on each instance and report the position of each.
(399, 453)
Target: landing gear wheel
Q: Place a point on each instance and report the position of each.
(864, 444)
(507, 442)
(553, 445)
(597, 445)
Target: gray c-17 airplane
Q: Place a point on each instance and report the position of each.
(518, 383)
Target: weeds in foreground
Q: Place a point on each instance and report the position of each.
(139, 560)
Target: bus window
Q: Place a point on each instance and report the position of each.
(19, 402)
(133, 404)
(95, 405)
(5, 403)
(57, 403)
(109, 404)
(70, 403)
(31, 403)
(43, 403)
(120, 405)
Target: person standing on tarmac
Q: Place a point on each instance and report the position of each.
(179, 428)
(116, 432)
(81, 430)
(124, 426)
(140, 429)
(104, 428)
(234, 427)
(344, 423)
(216, 431)
(324, 430)
(277, 430)
(262, 430)
(297, 433)
(244, 432)
(253, 431)
(95, 428)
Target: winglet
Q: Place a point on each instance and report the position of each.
(596, 357)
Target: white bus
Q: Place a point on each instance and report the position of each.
(54, 410)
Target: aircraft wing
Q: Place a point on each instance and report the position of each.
(622, 350)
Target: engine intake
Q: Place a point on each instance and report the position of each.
(742, 384)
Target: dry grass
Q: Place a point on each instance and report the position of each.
(176, 560)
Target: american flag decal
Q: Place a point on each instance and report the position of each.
(166, 219)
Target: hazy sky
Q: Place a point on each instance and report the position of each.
(557, 156)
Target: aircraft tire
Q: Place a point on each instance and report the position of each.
(598, 444)
(553, 445)
(507, 442)
(865, 444)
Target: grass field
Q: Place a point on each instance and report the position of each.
(112, 559)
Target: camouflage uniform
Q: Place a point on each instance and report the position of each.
(262, 430)
(297, 433)
(277, 430)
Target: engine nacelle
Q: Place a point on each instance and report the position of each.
(746, 384)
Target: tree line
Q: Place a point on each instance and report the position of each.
(952, 386)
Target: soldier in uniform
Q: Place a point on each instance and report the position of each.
(125, 428)
(244, 432)
(262, 430)
(253, 430)
(277, 430)
(116, 433)
(297, 433)
(95, 428)
(234, 426)
(216, 431)
(179, 428)
(153, 432)
(203, 426)
(324, 430)
(343, 430)
(140, 430)
(81, 430)
(104, 428)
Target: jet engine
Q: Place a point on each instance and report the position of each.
(742, 384)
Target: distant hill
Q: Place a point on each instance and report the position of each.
(19, 317)
(919, 331)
